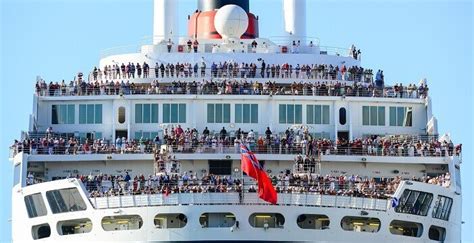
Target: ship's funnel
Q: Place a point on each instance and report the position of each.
(165, 21)
(294, 12)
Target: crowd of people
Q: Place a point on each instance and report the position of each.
(231, 87)
(163, 183)
(292, 141)
(232, 70)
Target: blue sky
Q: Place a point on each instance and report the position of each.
(409, 40)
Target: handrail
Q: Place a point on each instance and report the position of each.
(271, 72)
(191, 87)
(310, 200)
(182, 41)
(215, 148)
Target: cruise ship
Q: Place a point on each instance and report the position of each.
(146, 145)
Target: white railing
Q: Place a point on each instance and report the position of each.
(308, 199)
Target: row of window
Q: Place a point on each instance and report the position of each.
(66, 114)
(60, 201)
(228, 220)
(244, 113)
(418, 203)
(375, 116)
(148, 113)
(69, 200)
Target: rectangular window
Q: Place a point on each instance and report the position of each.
(365, 115)
(35, 205)
(401, 116)
(65, 200)
(317, 114)
(253, 113)
(238, 113)
(282, 114)
(414, 202)
(246, 113)
(174, 113)
(16, 174)
(62, 114)
(90, 114)
(442, 208)
(146, 113)
(220, 167)
(381, 116)
(373, 115)
(291, 114)
(218, 113)
(182, 113)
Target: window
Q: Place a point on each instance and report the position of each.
(76, 226)
(317, 114)
(342, 116)
(145, 135)
(35, 205)
(16, 174)
(360, 224)
(401, 116)
(65, 200)
(373, 115)
(218, 113)
(174, 113)
(313, 221)
(170, 221)
(442, 208)
(290, 114)
(217, 220)
(220, 167)
(414, 202)
(41, 231)
(437, 233)
(146, 113)
(122, 222)
(246, 113)
(62, 114)
(90, 114)
(406, 228)
(267, 220)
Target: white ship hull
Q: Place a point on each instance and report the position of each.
(291, 206)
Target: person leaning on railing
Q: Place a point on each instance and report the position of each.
(291, 142)
(343, 185)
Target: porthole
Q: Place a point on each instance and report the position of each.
(75, 226)
(437, 233)
(41, 231)
(267, 220)
(217, 220)
(406, 228)
(360, 224)
(122, 222)
(313, 221)
(170, 221)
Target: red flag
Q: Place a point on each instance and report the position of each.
(254, 169)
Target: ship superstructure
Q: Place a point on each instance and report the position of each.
(145, 147)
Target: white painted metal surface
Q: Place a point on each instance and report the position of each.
(165, 21)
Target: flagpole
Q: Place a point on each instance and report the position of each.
(241, 196)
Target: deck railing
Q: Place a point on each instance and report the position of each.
(308, 89)
(307, 199)
(232, 149)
